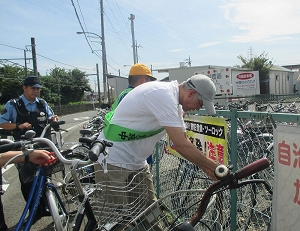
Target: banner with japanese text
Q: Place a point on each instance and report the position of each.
(286, 197)
(208, 134)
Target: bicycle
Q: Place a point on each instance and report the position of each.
(42, 183)
(210, 214)
(253, 140)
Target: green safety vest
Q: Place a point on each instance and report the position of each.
(116, 103)
(118, 133)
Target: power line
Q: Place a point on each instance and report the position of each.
(42, 57)
(81, 25)
(11, 46)
(62, 63)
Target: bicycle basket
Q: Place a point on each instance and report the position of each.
(116, 196)
(175, 208)
(27, 171)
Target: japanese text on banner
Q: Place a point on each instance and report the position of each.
(208, 134)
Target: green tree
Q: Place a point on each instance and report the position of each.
(60, 86)
(69, 85)
(11, 78)
(259, 63)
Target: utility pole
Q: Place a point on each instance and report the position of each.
(189, 61)
(131, 18)
(136, 52)
(25, 63)
(104, 62)
(34, 57)
(98, 79)
(58, 87)
(250, 52)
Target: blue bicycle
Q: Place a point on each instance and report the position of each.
(42, 184)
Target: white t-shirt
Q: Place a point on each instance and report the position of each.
(147, 107)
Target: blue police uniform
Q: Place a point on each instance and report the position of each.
(37, 113)
(10, 113)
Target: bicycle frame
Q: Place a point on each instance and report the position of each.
(40, 183)
(41, 180)
(85, 209)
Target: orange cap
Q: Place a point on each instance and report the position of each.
(141, 69)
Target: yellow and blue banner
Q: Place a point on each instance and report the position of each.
(208, 134)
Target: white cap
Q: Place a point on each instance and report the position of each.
(205, 87)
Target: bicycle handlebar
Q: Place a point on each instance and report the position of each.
(100, 147)
(226, 179)
(252, 168)
(10, 146)
(55, 125)
(97, 148)
(222, 172)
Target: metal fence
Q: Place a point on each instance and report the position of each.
(70, 109)
(269, 103)
(250, 137)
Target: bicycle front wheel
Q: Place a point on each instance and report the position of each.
(60, 218)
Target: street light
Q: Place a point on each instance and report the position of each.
(79, 32)
(104, 64)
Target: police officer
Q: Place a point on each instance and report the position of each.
(28, 112)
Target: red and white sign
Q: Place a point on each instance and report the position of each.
(245, 80)
(220, 77)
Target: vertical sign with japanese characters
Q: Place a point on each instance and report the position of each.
(208, 134)
(286, 197)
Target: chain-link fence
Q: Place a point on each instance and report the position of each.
(249, 137)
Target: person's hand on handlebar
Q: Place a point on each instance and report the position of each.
(25, 125)
(54, 118)
(209, 169)
(42, 157)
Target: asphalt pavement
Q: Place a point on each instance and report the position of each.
(12, 199)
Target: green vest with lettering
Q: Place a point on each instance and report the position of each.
(118, 133)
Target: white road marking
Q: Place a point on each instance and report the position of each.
(82, 118)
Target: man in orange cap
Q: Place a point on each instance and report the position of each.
(138, 74)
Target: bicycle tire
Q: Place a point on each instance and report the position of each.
(60, 218)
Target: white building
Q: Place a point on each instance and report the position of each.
(228, 80)
(281, 81)
(233, 81)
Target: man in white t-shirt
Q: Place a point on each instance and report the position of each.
(145, 115)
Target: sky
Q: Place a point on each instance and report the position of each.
(167, 32)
